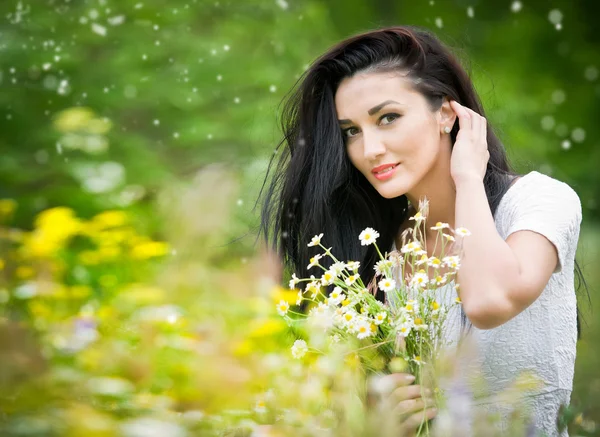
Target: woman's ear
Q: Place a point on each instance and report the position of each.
(447, 115)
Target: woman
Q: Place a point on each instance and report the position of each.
(388, 117)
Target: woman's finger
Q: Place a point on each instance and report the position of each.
(380, 386)
(464, 119)
(408, 392)
(411, 424)
(410, 406)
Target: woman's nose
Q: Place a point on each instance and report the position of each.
(373, 146)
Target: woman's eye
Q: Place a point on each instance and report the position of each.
(347, 132)
(389, 116)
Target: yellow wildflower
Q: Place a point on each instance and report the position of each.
(149, 249)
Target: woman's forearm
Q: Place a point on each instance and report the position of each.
(489, 267)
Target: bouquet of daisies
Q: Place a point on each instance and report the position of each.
(407, 328)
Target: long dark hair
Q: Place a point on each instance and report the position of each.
(315, 188)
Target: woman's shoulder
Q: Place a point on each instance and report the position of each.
(536, 200)
(536, 188)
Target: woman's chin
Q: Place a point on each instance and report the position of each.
(390, 192)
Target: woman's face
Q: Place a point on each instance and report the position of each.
(391, 135)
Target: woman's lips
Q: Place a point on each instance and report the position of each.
(386, 173)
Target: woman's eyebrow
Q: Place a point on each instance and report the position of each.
(373, 110)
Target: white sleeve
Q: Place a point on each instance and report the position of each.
(551, 208)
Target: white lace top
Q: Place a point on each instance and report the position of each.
(541, 339)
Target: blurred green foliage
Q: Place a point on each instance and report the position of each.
(106, 102)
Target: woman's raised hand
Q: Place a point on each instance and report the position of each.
(411, 404)
(470, 154)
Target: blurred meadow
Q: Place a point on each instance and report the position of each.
(135, 137)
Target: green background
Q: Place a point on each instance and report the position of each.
(177, 86)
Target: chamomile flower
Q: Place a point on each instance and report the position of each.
(410, 307)
(299, 298)
(328, 277)
(349, 317)
(434, 262)
(314, 288)
(337, 268)
(417, 359)
(452, 261)
(353, 265)
(316, 240)
(380, 317)
(387, 284)
(363, 329)
(368, 236)
(283, 307)
(299, 349)
(351, 279)
(336, 296)
(419, 324)
(462, 232)
(438, 280)
(381, 267)
(439, 226)
(449, 237)
(411, 247)
(294, 281)
(260, 406)
(314, 261)
(419, 279)
(458, 300)
(418, 217)
(404, 329)
(422, 260)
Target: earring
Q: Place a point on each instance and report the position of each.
(447, 129)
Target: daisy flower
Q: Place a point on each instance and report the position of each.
(438, 280)
(353, 265)
(348, 317)
(419, 325)
(351, 279)
(449, 237)
(299, 349)
(419, 279)
(283, 307)
(411, 247)
(418, 217)
(387, 284)
(439, 226)
(260, 407)
(381, 267)
(380, 317)
(294, 281)
(328, 277)
(434, 262)
(337, 268)
(314, 261)
(363, 329)
(404, 329)
(316, 240)
(368, 236)
(462, 232)
(452, 261)
(422, 260)
(313, 287)
(336, 296)
(410, 307)
(299, 298)
(417, 360)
